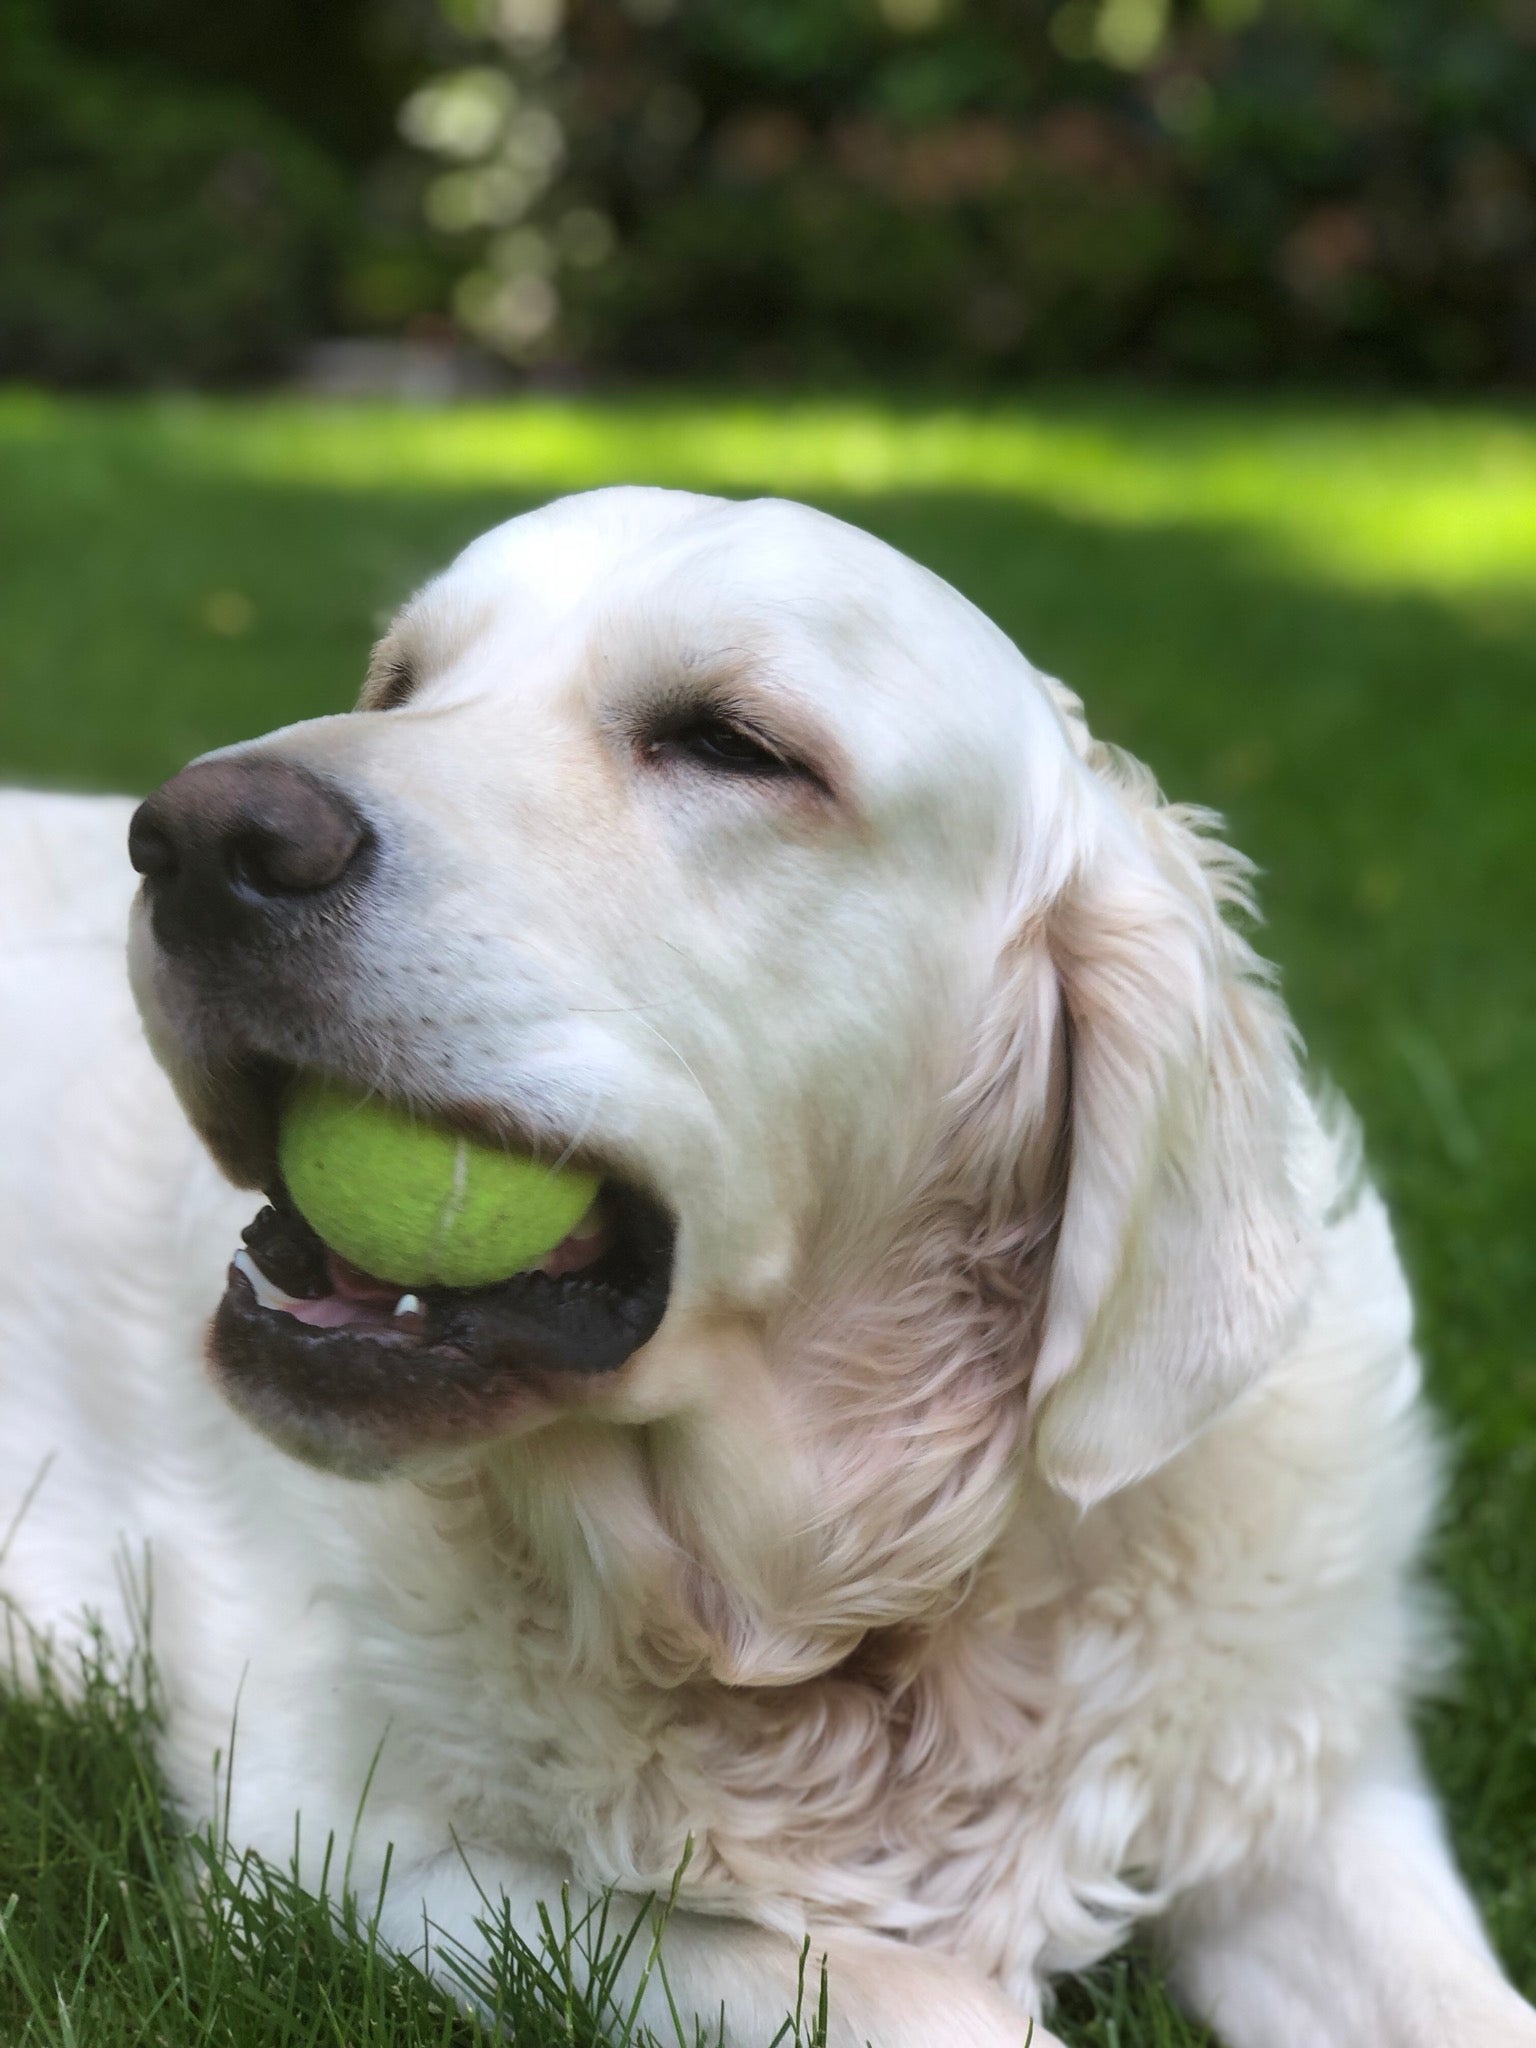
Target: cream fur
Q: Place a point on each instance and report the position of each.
(1009, 1537)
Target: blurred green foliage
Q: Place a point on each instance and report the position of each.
(186, 194)
(335, 71)
(147, 236)
(960, 191)
(1223, 187)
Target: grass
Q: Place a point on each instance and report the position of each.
(117, 1928)
(1321, 617)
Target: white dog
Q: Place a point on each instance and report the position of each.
(969, 1487)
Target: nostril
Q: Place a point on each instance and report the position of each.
(271, 861)
(151, 849)
(248, 866)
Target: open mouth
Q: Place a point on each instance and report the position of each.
(355, 1373)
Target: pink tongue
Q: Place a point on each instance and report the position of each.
(355, 1297)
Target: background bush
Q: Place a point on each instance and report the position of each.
(188, 194)
(963, 190)
(152, 237)
(994, 187)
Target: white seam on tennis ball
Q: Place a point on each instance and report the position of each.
(458, 1195)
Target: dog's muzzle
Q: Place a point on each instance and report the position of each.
(261, 883)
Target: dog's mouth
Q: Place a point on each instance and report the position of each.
(357, 1374)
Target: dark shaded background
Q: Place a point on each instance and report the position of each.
(969, 191)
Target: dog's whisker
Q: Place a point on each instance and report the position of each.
(578, 1137)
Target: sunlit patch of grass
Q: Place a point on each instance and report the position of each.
(1390, 496)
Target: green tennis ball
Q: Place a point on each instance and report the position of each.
(415, 1203)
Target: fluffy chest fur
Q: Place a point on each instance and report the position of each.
(1111, 1708)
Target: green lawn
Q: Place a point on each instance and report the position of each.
(1321, 617)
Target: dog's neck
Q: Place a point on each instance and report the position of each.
(845, 1492)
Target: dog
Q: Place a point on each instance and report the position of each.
(964, 1501)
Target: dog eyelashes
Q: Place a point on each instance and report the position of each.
(722, 745)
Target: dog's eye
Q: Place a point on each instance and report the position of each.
(716, 743)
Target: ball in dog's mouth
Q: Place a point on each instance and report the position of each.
(357, 1374)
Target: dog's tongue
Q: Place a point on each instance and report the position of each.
(358, 1299)
(355, 1297)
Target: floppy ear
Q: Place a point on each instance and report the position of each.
(1179, 1267)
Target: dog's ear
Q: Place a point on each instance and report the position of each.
(1179, 1264)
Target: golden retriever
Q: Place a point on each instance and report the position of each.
(968, 1482)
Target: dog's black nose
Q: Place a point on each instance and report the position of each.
(228, 846)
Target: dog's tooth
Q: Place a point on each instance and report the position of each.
(408, 1305)
(267, 1292)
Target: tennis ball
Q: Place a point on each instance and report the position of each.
(413, 1202)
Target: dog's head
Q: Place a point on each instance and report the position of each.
(722, 848)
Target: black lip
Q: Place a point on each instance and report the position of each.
(359, 1400)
